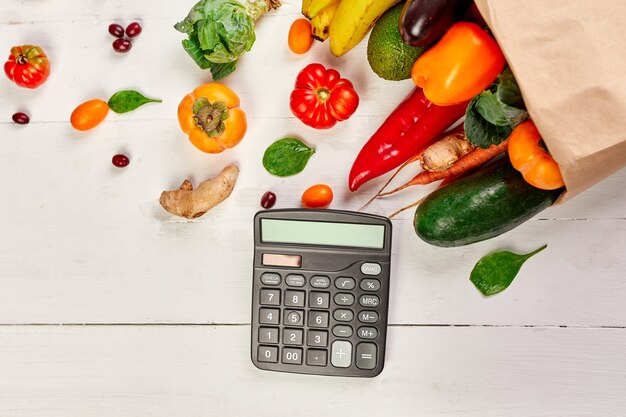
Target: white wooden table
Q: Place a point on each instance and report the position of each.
(110, 307)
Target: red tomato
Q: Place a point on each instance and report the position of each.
(321, 97)
(317, 196)
(27, 66)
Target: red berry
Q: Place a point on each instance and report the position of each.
(120, 161)
(268, 200)
(122, 45)
(116, 30)
(21, 118)
(132, 30)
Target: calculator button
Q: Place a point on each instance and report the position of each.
(368, 316)
(294, 298)
(269, 316)
(270, 278)
(370, 268)
(342, 330)
(294, 317)
(270, 297)
(369, 301)
(366, 355)
(344, 299)
(267, 354)
(318, 319)
(319, 299)
(341, 354)
(292, 336)
(370, 284)
(295, 280)
(316, 357)
(345, 283)
(343, 314)
(320, 281)
(268, 334)
(292, 356)
(367, 332)
(317, 338)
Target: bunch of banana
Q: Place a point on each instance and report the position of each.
(345, 22)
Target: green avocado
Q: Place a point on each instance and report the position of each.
(389, 57)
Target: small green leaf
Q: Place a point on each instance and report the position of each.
(498, 113)
(128, 100)
(286, 157)
(495, 272)
(219, 71)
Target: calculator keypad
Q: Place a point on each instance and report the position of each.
(319, 320)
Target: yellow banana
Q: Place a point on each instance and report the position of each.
(352, 20)
(321, 22)
(310, 8)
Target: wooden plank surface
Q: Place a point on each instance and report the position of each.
(129, 371)
(82, 242)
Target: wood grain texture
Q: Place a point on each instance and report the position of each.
(82, 242)
(129, 371)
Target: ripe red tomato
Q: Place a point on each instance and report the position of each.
(321, 97)
(27, 66)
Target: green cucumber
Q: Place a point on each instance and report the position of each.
(482, 206)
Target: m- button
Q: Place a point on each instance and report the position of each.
(370, 268)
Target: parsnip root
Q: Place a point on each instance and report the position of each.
(189, 203)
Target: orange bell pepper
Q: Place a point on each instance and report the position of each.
(211, 116)
(531, 159)
(462, 64)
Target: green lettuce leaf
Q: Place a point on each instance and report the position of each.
(492, 115)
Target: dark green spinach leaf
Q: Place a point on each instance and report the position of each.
(495, 272)
(128, 100)
(286, 157)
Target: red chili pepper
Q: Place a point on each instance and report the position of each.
(412, 126)
(322, 98)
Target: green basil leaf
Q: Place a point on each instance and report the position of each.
(479, 131)
(286, 157)
(128, 100)
(495, 272)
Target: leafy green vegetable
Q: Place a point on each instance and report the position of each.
(492, 115)
(286, 157)
(128, 100)
(221, 31)
(495, 272)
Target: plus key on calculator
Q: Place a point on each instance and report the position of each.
(320, 292)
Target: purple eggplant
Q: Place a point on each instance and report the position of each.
(424, 21)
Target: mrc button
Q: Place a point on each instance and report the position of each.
(370, 268)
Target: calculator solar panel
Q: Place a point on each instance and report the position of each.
(320, 292)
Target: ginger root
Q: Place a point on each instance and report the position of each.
(444, 153)
(189, 203)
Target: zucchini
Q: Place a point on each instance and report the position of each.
(482, 206)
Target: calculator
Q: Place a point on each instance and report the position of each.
(320, 292)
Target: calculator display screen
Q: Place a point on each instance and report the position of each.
(371, 236)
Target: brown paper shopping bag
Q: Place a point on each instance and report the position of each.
(569, 59)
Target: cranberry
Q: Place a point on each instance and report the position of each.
(122, 45)
(21, 118)
(268, 200)
(120, 161)
(132, 30)
(116, 30)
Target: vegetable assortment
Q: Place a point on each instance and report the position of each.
(458, 70)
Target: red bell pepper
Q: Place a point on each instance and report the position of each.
(412, 126)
